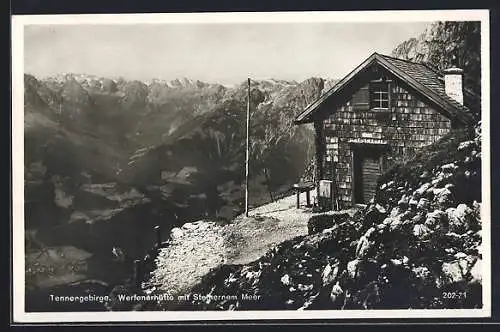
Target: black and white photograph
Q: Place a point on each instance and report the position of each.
(209, 166)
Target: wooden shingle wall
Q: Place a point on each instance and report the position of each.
(406, 126)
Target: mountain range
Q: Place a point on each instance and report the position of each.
(106, 159)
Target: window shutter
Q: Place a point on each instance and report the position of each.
(360, 100)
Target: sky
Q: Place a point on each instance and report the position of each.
(225, 53)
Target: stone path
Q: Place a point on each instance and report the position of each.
(198, 247)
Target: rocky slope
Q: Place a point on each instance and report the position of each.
(195, 248)
(418, 245)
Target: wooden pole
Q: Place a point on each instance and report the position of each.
(247, 150)
(157, 230)
(318, 140)
(137, 273)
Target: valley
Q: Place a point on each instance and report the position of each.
(107, 159)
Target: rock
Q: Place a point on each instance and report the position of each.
(437, 221)
(450, 251)
(176, 233)
(318, 223)
(443, 198)
(189, 226)
(363, 247)
(339, 218)
(336, 292)
(425, 174)
(330, 273)
(452, 272)
(423, 188)
(461, 219)
(380, 208)
(423, 275)
(285, 280)
(395, 224)
(449, 167)
(387, 221)
(421, 231)
(395, 211)
(304, 288)
(404, 201)
(465, 145)
(203, 226)
(406, 215)
(419, 218)
(413, 202)
(476, 271)
(396, 262)
(369, 232)
(476, 206)
(375, 214)
(352, 268)
(328, 230)
(423, 204)
(449, 186)
(463, 269)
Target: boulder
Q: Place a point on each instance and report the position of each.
(189, 226)
(176, 233)
(339, 218)
(318, 223)
(395, 211)
(452, 272)
(404, 201)
(421, 231)
(387, 221)
(352, 268)
(423, 189)
(423, 275)
(437, 221)
(476, 272)
(419, 218)
(285, 280)
(443, 198)
(413, 202)
(425, 174)
(363, 247)
(336, 292)
(462, 219)
(375, 214)
(449, 167)
(464, 269)
(465, 145)
(330, 273)
(423, 204)
(395, 224)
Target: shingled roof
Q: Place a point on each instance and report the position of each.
(424, 79)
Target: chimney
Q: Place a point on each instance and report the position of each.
(453, 84)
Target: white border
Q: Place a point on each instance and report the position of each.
(18, 23)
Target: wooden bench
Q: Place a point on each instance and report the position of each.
(302, 187)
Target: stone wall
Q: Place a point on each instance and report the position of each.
(407, 125)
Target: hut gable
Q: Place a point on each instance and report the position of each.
(425, 81)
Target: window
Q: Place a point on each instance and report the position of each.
(360, 99)
(379, 95)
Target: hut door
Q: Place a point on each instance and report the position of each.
(367, 170)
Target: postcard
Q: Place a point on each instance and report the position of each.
(251, 166)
